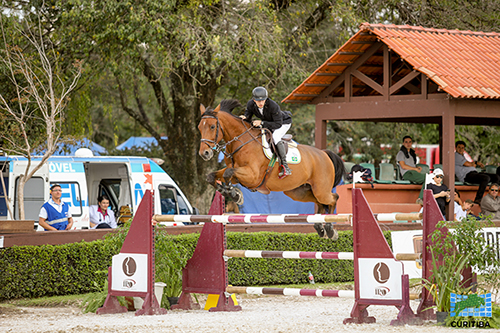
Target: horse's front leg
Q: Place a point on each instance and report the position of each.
(213, 177)
(239, 175)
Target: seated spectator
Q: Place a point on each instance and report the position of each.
(407, 163)
(439, 190)
(465, 171)
(101, 216)
(463, 210)
(490, 204)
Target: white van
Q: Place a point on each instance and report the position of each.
(83, 179)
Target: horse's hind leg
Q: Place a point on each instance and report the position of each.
(305, 194)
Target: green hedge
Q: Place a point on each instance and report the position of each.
(37, 271)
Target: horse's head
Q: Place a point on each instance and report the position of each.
(211, 127)
(211, 132)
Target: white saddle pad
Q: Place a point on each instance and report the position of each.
(292, 156)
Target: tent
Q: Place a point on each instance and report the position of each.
(69, 148)
(139, 142)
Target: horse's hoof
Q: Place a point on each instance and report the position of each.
(211, 178)
(330, 232)
(319, 229)
(237, 195)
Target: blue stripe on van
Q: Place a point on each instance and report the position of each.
(155, 167)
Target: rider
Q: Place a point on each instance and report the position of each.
(277, 121)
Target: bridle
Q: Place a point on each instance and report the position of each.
(217, 147)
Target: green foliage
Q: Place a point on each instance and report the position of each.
(49, 270)
(93, 301)
(446, 278)
(258, 271)
(454, 251)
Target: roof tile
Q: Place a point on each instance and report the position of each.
(465, 64)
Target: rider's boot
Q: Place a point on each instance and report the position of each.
(281, 150)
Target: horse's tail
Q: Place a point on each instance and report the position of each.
(338, 165)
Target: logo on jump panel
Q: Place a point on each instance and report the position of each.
(381, 272)
(129, 266)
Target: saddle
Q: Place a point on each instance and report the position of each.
(292, 152)
(270, 141)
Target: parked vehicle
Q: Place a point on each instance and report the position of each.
(83, 178)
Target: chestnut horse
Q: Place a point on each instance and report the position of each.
(312, 180)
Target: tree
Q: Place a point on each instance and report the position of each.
(165, 58)
(33, 103)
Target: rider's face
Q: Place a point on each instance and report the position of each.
(260, 104)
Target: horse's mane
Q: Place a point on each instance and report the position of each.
(226, 105)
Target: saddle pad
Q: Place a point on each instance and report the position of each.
(292, 156)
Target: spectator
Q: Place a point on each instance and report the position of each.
(407, 162)
(462, 210)
(465, 171)
(440, 191)
(490, 204)
(54, 214)
(101, 216)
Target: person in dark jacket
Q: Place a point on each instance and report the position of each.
(272, 118)
(440, 191)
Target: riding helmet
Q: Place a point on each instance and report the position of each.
(259, 94)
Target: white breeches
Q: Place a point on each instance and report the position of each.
(280, 132)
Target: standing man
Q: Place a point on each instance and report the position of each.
(272, 118)
(490, 204)
(407, 163)
(466, 172)
(54, 214)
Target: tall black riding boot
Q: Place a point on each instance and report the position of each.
(281, 150)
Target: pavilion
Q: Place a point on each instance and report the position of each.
(391, 73)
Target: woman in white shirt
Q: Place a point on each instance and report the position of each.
(101, 216)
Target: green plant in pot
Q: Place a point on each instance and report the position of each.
(170, 257)
(446, 278)
(462, 247)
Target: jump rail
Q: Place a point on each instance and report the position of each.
(313, 218)
(309, 255)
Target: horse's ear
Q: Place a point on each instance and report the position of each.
(202, 108)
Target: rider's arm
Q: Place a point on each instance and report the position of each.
(248, 111)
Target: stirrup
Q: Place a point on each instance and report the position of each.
(284, 172)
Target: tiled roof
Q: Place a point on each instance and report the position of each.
(464, 64)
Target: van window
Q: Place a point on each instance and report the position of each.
(71, 195)
(183, 207)
(33, 198)
(168, 200)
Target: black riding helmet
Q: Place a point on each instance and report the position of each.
(259, 94)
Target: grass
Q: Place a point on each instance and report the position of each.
(54, 301)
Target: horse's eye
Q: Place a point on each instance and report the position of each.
(212, 127)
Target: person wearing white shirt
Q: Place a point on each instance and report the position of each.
(55, 214)
(101, 216)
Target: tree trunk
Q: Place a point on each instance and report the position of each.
(20, 197)
(183, 143)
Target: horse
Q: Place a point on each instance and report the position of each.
(312, 180)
